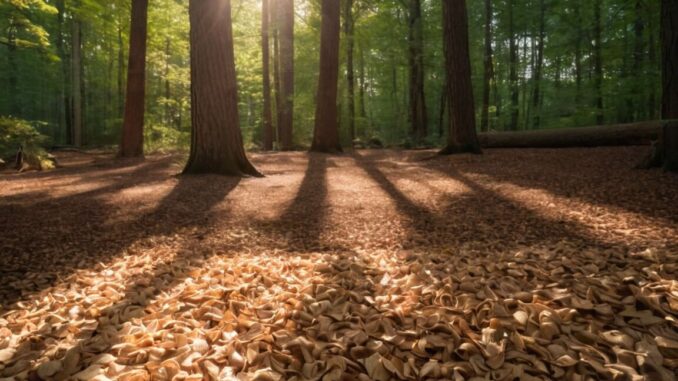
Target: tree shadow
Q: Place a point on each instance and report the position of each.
(480, 218)
(52, 239)
(301, 225)
(618, 184)
(186, 212)
(55, 236)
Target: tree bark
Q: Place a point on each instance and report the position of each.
(274, 8)
(15, 106)
(168, 87)
(595, 136)
(76, 63)
(350, 74)
(669, 53)
(652, 108)
(539, 64)
(63, 84)
(669, 49)
(513, 70)
(286, 41)
(265, 55)
(462, 136)
(489, 68)
(216, 140)
(578, 53)
(362, 81)
(598, 61)
(132, 144)
(326, 131)
(442, 111)
(121, 71)
(637, 109)
(418, 116)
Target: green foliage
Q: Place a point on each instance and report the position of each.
(43, 90)
(16, 134)
(159, 138)
(20, 18)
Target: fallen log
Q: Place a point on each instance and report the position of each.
(643, 133)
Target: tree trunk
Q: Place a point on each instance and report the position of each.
(578, 53)
(121, 71)
(497, 99)
(669, 44)
(637, 109)
(558, 77)
(350, 75)
(443, 109)
(286, 40)
(362, 82)
(275, 10)
(76, 63)
(539, 64)
(63, 84)
(168, 86)
(596, 136)
(527, 93)
(132, 144)
(265, 55)
(326, 131)
(598, 61)
(216, 140)
(489, 68)
(417, 98)
(14, 106)
(462, 136)
(513, 70)
(652, 64)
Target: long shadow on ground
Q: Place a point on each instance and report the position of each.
(185, 212)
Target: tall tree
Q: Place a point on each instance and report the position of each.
(362, 83)
(76, 83)
(513, 69)
(326, 131)
(417, 113)
(286, 41)
(598, 60)
(216, 140)
(15, 107)
(350, 73)
(132, 144)
(275, 19)
(62, 107)
(652, 64)
(669, 49)
(578, 55)
(462, 136)
(265, 56)
(489, 69)
(121, 69)
(665, 153)
(637, 109)
(538, 67)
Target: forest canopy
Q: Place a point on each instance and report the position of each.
(548, 64)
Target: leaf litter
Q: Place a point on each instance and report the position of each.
(407, 270)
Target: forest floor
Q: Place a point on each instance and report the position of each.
(517, 264)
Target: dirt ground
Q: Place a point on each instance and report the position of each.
(517, 264)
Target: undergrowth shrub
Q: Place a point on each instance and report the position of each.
(18, 133)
